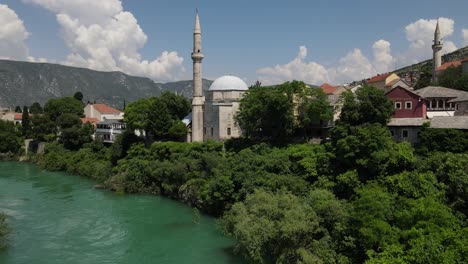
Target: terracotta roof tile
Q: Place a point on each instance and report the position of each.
(105, 109)
(328, 89)
(379, 78)
(446, 65)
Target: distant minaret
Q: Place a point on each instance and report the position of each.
(436, 48)
(197, 102)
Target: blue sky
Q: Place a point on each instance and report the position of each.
(274, 41)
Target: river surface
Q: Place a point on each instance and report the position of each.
(60, 218)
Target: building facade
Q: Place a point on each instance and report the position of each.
(407, 104)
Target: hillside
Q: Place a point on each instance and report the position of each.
(22, 83)
(453, 56)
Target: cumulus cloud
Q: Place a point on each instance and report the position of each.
(383, 59)
(465, 37)
(420, 35)
(297, 69)
(13, 35)
(103, 36)
(353, 66)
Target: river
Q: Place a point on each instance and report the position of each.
(60, 218)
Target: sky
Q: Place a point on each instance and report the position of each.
(268, 40)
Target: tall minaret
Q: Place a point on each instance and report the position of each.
(198, 100)
(437, 53)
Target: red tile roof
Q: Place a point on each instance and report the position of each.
(19, 116)
(328, 89)
(105, 109)
(91, 120)
(379, 78)
(446, 65)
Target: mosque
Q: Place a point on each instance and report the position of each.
(212, 116)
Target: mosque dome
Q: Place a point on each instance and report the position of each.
(228, 83)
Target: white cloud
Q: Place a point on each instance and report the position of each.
(465, 37)
(420, 34)
(102, 36)
(297, 69)
(383, 59)
(353, 66)
(13, 35)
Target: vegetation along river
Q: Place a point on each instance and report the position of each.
(60, 218)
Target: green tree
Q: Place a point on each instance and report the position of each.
(137, 115)
(78, 96)
(314, 111)
(42, 128)
(266, 112)
(370, 105)
(9, 138)
(441, 139)
(177, 105)
(160, 119)
(65, 105)
(25, 122)
(36, 108)
(18, 109)
(425, 78)
(178, 131)
(75, 136)
(282, 227)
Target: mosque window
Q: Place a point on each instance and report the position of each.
(228, 131)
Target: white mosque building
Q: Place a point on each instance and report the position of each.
(212, 116)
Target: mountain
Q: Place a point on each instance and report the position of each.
(22, 83)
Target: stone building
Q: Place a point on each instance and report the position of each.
(212, 116)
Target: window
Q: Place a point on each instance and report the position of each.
(211, 131)
(391, 131)
(440, 104)
(457, 107)
(404, 133)
(408, 105)
(398, 105)
(433, 104)
(229, 131)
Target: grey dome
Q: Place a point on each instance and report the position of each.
(228, 83)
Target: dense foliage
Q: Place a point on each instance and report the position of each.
(276, 113)
(10, 138)
(453, 77)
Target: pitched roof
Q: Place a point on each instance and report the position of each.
(91, 120)
(455, 122)
(404, 88)
(462, 98)
(446, 65)
(441, 92)
(379, 78)
(407, 121)
(105, 109)
(328, 89)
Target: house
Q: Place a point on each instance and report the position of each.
(396, 83)
(102, 112)
(409, 116)
(108, 130)
(382, 80)
(461, 105)
(440, 100)
(407, 103)
(328, 89)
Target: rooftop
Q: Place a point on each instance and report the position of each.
(228, 83)
(379, 77)
(328, 89)
(105, 109)
(446, 65)
(455, 122)
(440, 92)
(407, 121)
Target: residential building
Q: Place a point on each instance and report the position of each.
(108, 130)
(439, 100)
(396, 83)
(382, 80)
(328, 89)
(102, 112)
(409, 116)
(407, 103)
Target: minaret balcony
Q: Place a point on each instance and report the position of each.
(197, 56)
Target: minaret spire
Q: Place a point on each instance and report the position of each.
(198, 100)
(437, 53)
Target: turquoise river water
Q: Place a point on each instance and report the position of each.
(60, 218)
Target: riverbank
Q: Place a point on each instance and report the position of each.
(326, 197)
